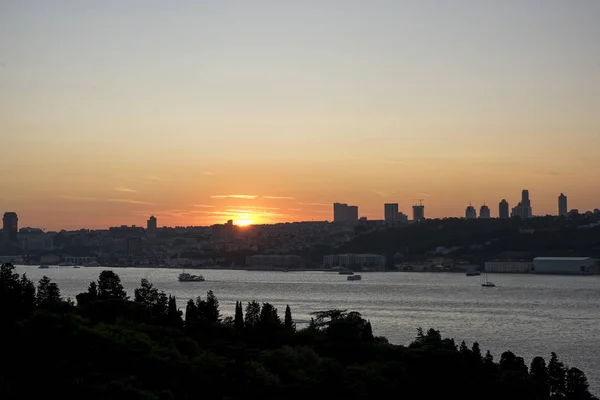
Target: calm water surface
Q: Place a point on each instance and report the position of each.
(528, 314)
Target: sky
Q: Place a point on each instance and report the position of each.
(268, 111)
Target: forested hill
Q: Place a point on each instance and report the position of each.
(115, 345)
(483, 239)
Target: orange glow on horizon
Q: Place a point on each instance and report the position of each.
(244, 222)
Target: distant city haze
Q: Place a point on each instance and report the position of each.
(198, 112)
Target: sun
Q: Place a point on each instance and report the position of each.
(244, 222)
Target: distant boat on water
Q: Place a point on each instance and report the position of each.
(185, 277)
(354, 278)
(44, 266)
(473, 273)
(487, 283)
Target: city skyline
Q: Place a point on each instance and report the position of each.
(199, 112)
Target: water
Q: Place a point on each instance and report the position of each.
(530, 315)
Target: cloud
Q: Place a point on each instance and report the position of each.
(294, 209)
(207, 173)
(235, 196)
(425, 194)
(131, 201)
(278, 197)
(154, 178)
(314, 204)
(240, 212)
(79, 198)
(203, 205)
(257, 207)
(123, 189)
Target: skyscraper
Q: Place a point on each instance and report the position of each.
(344, 213)
(151, 224)
(10, 226)
(484, 212)
(390, 212)
(503, 209)
(523, 209)
(470, 212)
(418, 212)
(562, 205)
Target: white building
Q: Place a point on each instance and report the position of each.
(509, 267)
(563, 265)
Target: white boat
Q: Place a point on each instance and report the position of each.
(185, 277)
(354, 278)
(488, 283)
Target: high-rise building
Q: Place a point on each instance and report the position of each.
(470, 212)
(503, 209)
(10, 227)
(390, 212)
(344, 213)
(151, 224)
(562, 205)
(484, 212)
(418, 212)
(523, 209)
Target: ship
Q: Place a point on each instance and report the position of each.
(185, 277)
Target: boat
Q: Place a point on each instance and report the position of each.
(185, 277)
(488, 283)
(354, 278)
(76, 266)
(44, 266)
(345, 272)
(473, 273)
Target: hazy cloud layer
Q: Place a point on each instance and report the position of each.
(235, 196)
(124, 189)
(131, 201)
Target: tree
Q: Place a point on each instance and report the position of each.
(577, 385)
(367, 334)
(110, 287)
(288, 322)
(173, 313)
(463, 348)
(191, 312)
(48, 293)
(476, 351)
(252, 317)
(269, 317)
(239, 317)
(557, 375)
(488, 359)
(539, 378)
(211, 311)
(146, 294)
(17, 293)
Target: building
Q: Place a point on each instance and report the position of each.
(484, 212)
(134, 245)
(418, 212)
(344, 213)
(562, 205)
(564, 265)
(223, 232)
(523, 209)
(274, 260)
(36, 240)
(503, 209)
(470, 212)
(401, 217)
(10, 227)
(151, 224)
(365, 262)
(390, 212)
(509, 267)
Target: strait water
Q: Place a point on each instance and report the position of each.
(530, 315)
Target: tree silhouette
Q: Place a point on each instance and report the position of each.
(252, 316)
(557, 375)
(239, 317)
(48, 293)
(288, 322)
(367, 334)
(476, 350)
(211, 309)
(17, 293)
(577, 385)
(110, 287)
(540, 378)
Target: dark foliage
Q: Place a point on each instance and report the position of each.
(108, 347)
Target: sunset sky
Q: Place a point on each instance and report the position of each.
(202, 111)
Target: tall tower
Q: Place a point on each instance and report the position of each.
(10, 226)
(390, 212)
(151, 224)
(470, 212)
(484, 212)
(562, 204)
(503, 209)
(419, 211)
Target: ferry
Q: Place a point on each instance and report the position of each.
(185, 277)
